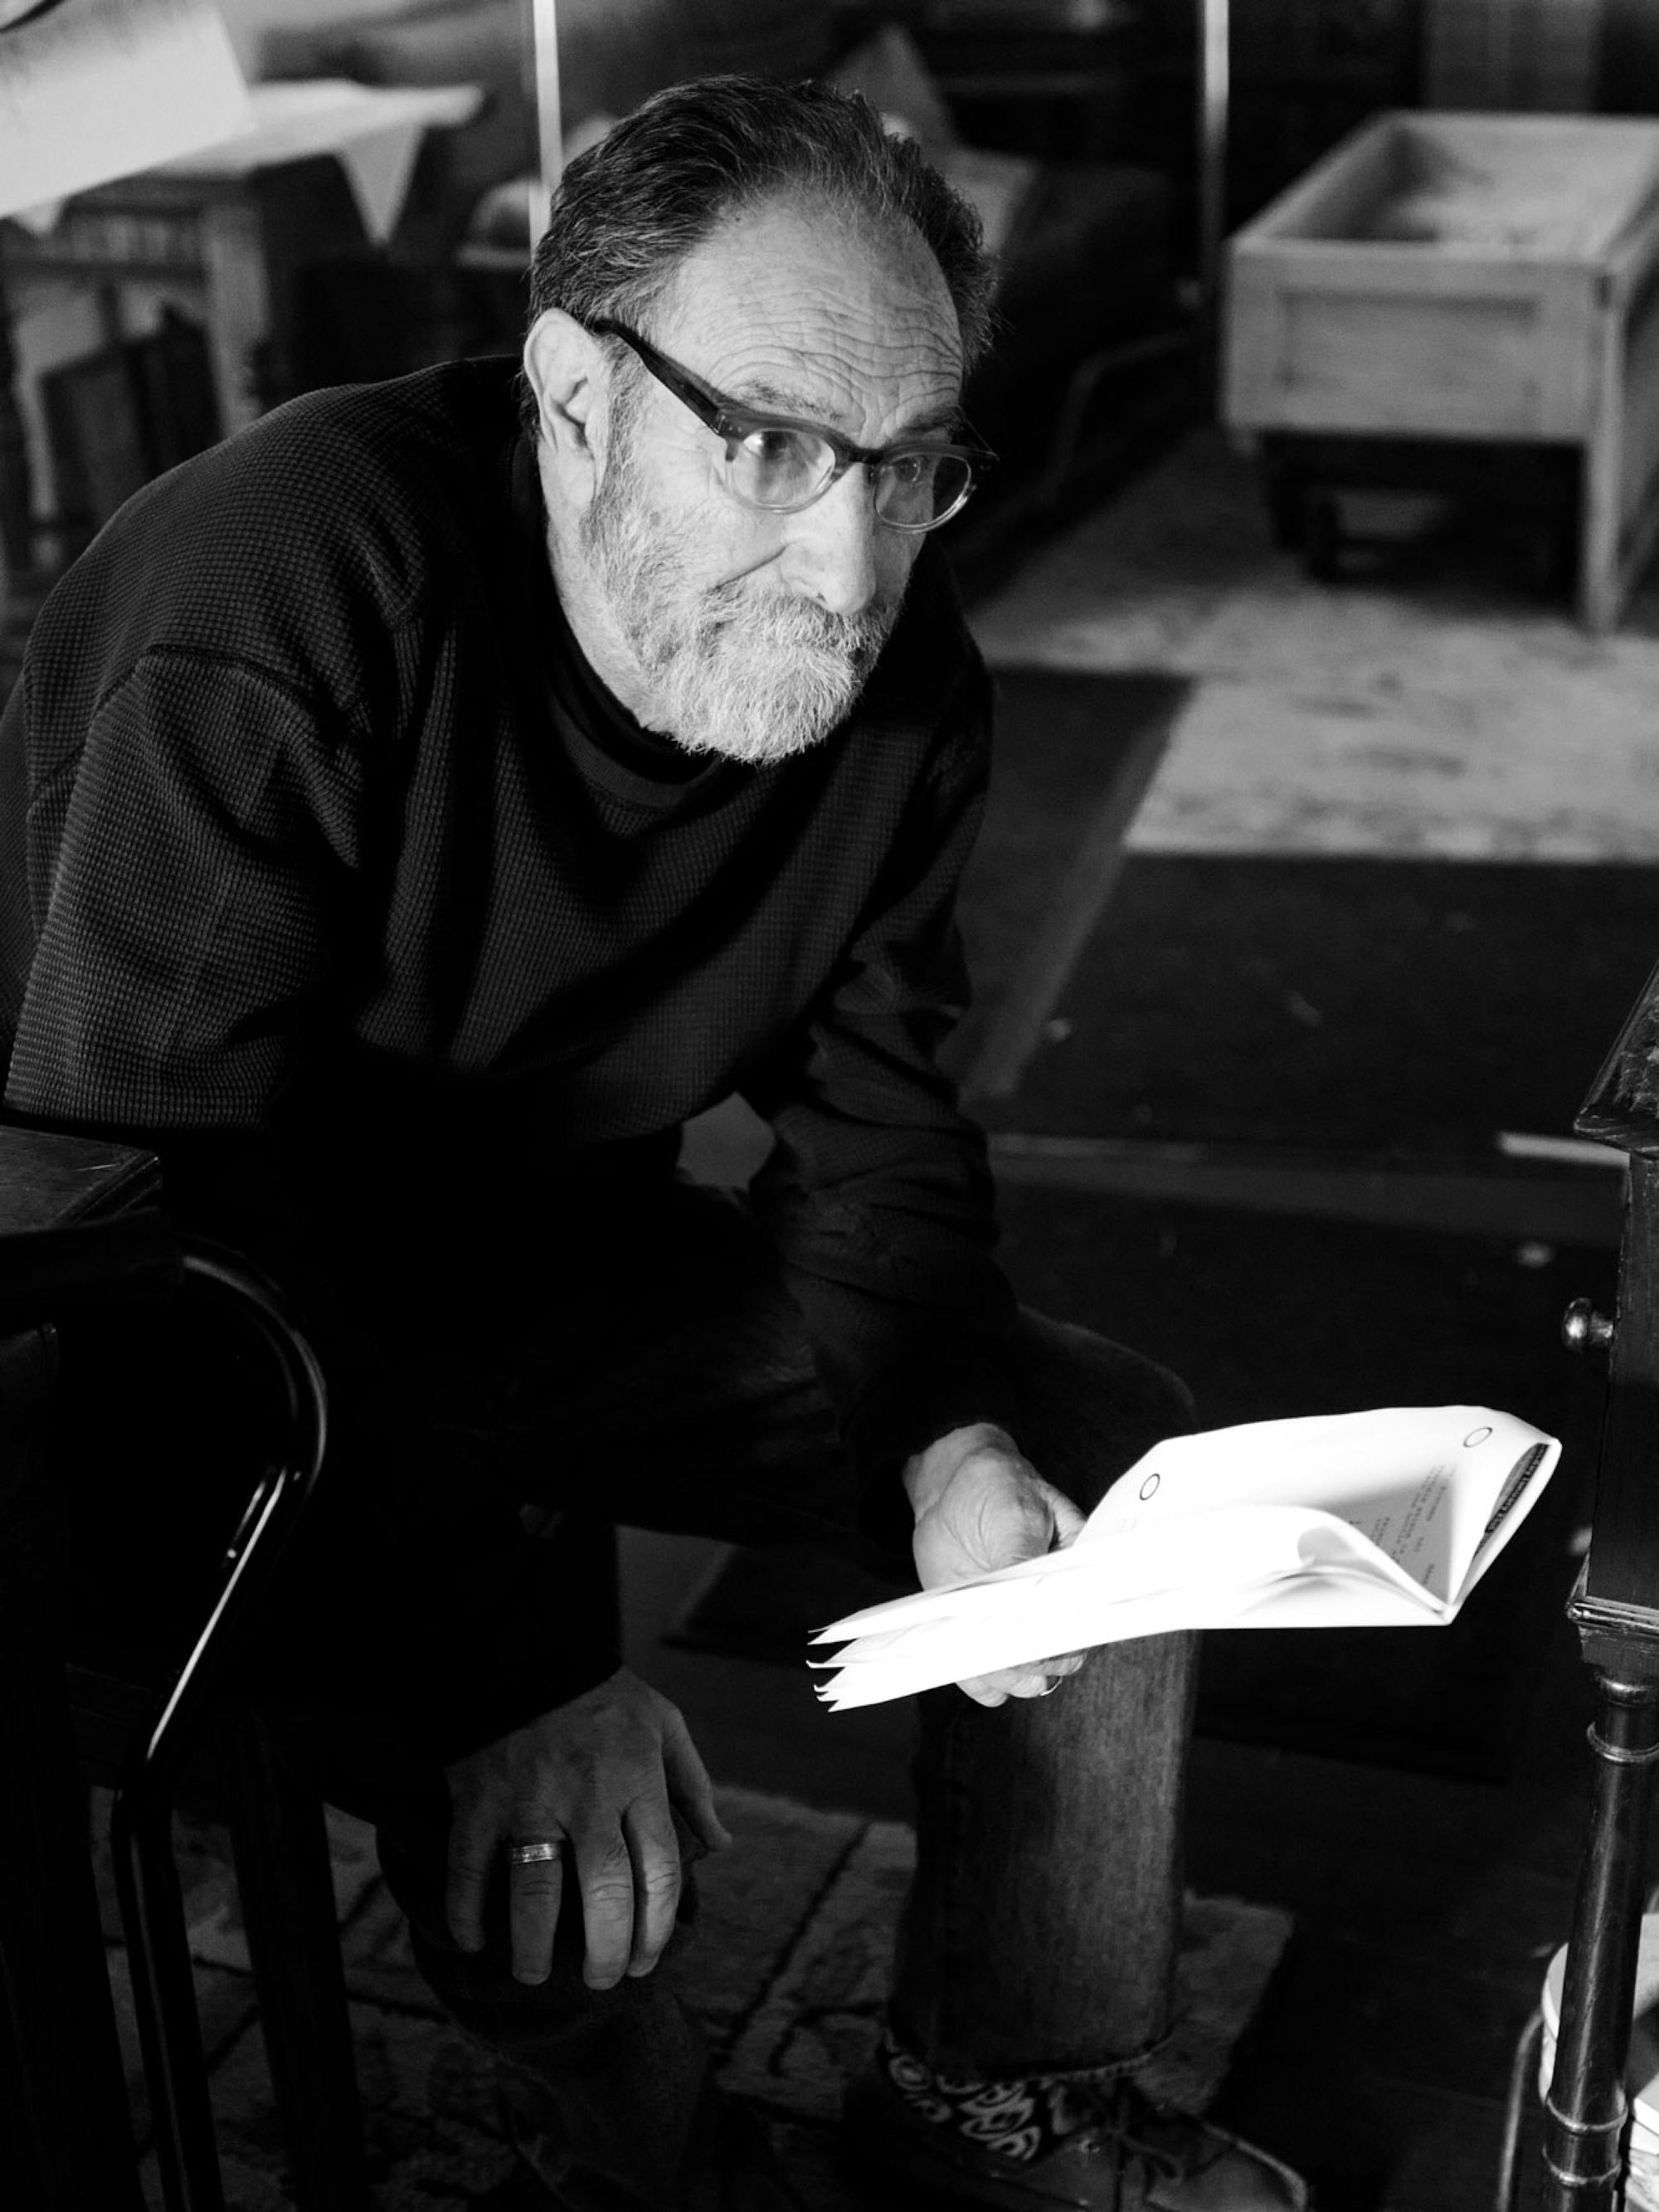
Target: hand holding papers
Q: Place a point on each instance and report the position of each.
(1339, 1521)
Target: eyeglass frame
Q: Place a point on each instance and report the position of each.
(733, 420)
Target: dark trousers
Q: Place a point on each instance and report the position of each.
(671, 1387)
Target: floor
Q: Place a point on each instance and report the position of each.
(1436, 708)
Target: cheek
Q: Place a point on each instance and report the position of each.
(896, 553)
(712, 538)
(724, 543)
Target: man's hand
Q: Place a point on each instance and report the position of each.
(600, 1774)
(979, 1505)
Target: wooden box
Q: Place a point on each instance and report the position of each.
(1468, 277)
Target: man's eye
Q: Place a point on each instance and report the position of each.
(773, 449)
(912, 469)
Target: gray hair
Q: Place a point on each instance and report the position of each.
(628, 211)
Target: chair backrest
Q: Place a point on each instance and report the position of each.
(49, 1180)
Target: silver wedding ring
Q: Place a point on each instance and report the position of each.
(536, 1854)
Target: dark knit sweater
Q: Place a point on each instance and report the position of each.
(341, 893)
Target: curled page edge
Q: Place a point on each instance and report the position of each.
(1247, 1542)
(1322, 1599)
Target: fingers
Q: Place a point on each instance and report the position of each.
(1034, 1681)
(689, 1787)
(629, 1881)
(654, 1850)
(534, 1893)
(598, 1777)
(474, 1839)
(1069, 1522)
(985, 1689)
(604, 1866)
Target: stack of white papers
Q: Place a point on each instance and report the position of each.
(1385, 1519)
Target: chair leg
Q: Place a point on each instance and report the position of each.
(164, 2001)
(65, 2136)
(280, 1842)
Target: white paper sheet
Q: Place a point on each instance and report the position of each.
(374, 132)
(1356, 1520)
(97, 89)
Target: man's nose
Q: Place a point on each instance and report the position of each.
(833, 555)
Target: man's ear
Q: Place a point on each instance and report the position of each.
(566, 368)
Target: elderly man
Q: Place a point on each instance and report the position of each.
(435, 795)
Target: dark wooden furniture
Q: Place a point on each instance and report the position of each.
(1616, 1612)
(69, 1714)
(66, 2137)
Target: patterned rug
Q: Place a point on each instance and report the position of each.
(787, 1977)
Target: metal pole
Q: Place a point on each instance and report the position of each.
(544, 94)
(1214, 93)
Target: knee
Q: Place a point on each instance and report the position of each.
(1089, 1407)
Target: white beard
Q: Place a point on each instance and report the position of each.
(752, 679)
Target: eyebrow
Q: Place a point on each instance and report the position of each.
(772, 398)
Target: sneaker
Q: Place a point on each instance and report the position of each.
(1126, 2156)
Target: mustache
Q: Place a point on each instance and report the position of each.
(783, 622)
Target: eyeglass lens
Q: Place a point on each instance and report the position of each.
(787, 469)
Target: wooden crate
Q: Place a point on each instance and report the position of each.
(1470, 277)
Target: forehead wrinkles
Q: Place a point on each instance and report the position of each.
(797, 311)
(833, 363)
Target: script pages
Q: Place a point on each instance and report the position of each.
(1377, 1519)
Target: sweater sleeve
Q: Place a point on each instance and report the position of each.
(188, 865)
(878, 1192)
